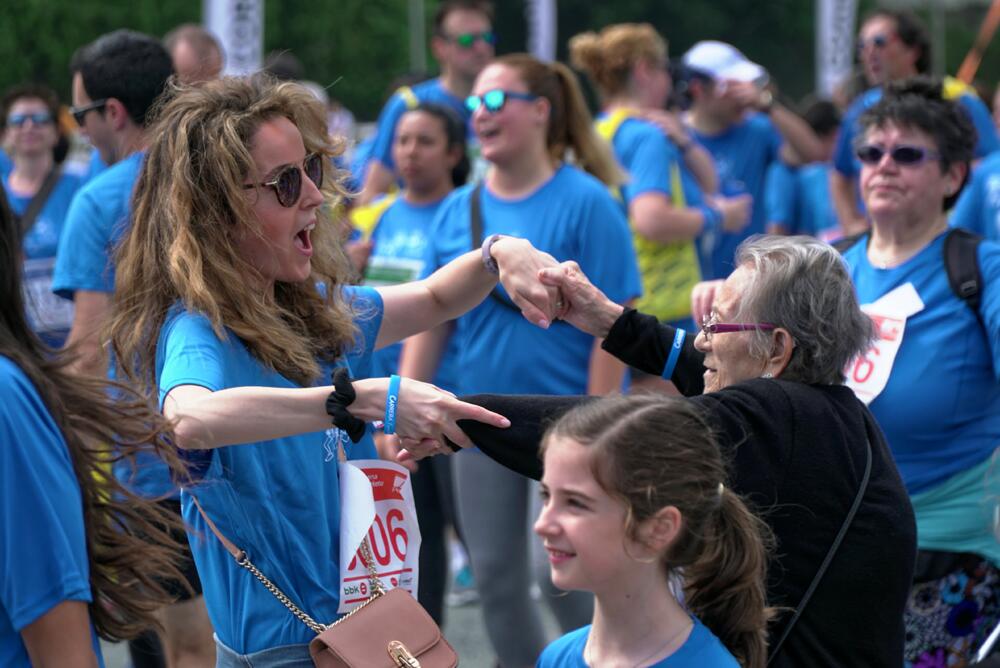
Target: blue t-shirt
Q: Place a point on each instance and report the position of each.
(49, 316)
(646, 154)
(5, 163)
(278, 500)
(572, 217)
(96, 221)
(742, 155)
(425, 91)
(847, 163)
(701, 650)
(940, 409)
(978, 207)
(816, 215)
(43, 547)
(781, 196)
(402, 241)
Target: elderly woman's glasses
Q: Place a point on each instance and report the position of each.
(709, 326)
(494, 100)
(287, 184)
(903, 155)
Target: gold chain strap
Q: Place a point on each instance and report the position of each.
(315, 626)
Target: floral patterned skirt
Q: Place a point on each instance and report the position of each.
(949, 617)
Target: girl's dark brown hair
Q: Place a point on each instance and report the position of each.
(652, 452)
(130, 552)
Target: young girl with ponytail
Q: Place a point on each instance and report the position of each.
(634, 523)
(536, 133)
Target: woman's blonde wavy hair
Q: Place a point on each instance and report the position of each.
(189, 210)
(609, 56)
(571, 126)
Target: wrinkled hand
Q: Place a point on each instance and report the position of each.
(585, 307)
(426, 414)
(702, 298)
(519, 264)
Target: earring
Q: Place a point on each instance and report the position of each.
(767, 374)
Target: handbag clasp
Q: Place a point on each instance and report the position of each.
(402, 656)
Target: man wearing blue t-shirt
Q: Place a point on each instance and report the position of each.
(463, 44)
(116, 80)
(744, 128)
(893, 45)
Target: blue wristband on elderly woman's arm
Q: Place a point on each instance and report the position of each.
(643, 342)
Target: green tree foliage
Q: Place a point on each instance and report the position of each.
(357, 47)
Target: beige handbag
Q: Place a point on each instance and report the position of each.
(389, 630)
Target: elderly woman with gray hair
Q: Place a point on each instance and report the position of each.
(767, 368)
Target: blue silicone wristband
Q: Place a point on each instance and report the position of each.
(675, 354)
(391, 405)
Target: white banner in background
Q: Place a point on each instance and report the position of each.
(835, 28)
(239, 27)
(542, 29)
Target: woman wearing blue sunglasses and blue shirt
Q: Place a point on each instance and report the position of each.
(932, 378)
(39, 192)
(528, 116)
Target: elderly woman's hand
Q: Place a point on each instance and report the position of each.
(584, 306)
(519, 264)
(702, 297)
(426, 414)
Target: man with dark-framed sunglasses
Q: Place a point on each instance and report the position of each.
(463, 43)
(893, 45)
(116, 80)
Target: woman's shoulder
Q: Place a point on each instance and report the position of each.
(566, 651)
(580, 185)
(702, 649)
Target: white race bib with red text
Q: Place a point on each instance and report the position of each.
(376, 499)
(869, 373)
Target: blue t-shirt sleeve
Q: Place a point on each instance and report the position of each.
(780, 195)
(366, 302)
(647, 160)
(969, 210)
(450, 232)
(843, 153)
(989, 307)
(386, 130)
(986, 132)
(190, 354)
(43, 551)
(83, 260)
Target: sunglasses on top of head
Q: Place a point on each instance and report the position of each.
(902, 154)
(37, 118)
(287, 183)
(494, 100)
(467, 40)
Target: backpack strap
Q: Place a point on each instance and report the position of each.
(476, 232)
(961, 261)
(27, 220)
(409, 97)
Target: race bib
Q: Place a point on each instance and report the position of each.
(869, 373)
(47, 312)
(385, 270)
(376, 500)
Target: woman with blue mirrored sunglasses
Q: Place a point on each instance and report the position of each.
(494, 100)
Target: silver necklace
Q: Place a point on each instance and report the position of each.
(587, 654)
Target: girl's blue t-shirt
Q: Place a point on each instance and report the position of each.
(402, 239)
(43, 546)
(646, 154)
(49, 316)
(978, 207)
(279, 500)
(701, 650)
(940, 410)
(572, 217)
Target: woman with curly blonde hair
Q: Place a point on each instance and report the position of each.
(231, 301)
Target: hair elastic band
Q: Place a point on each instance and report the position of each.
(391, 405)
(343, 395)
(675, 353)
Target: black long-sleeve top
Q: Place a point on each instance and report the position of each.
(797, 454)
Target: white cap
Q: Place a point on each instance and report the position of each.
(723, 62)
